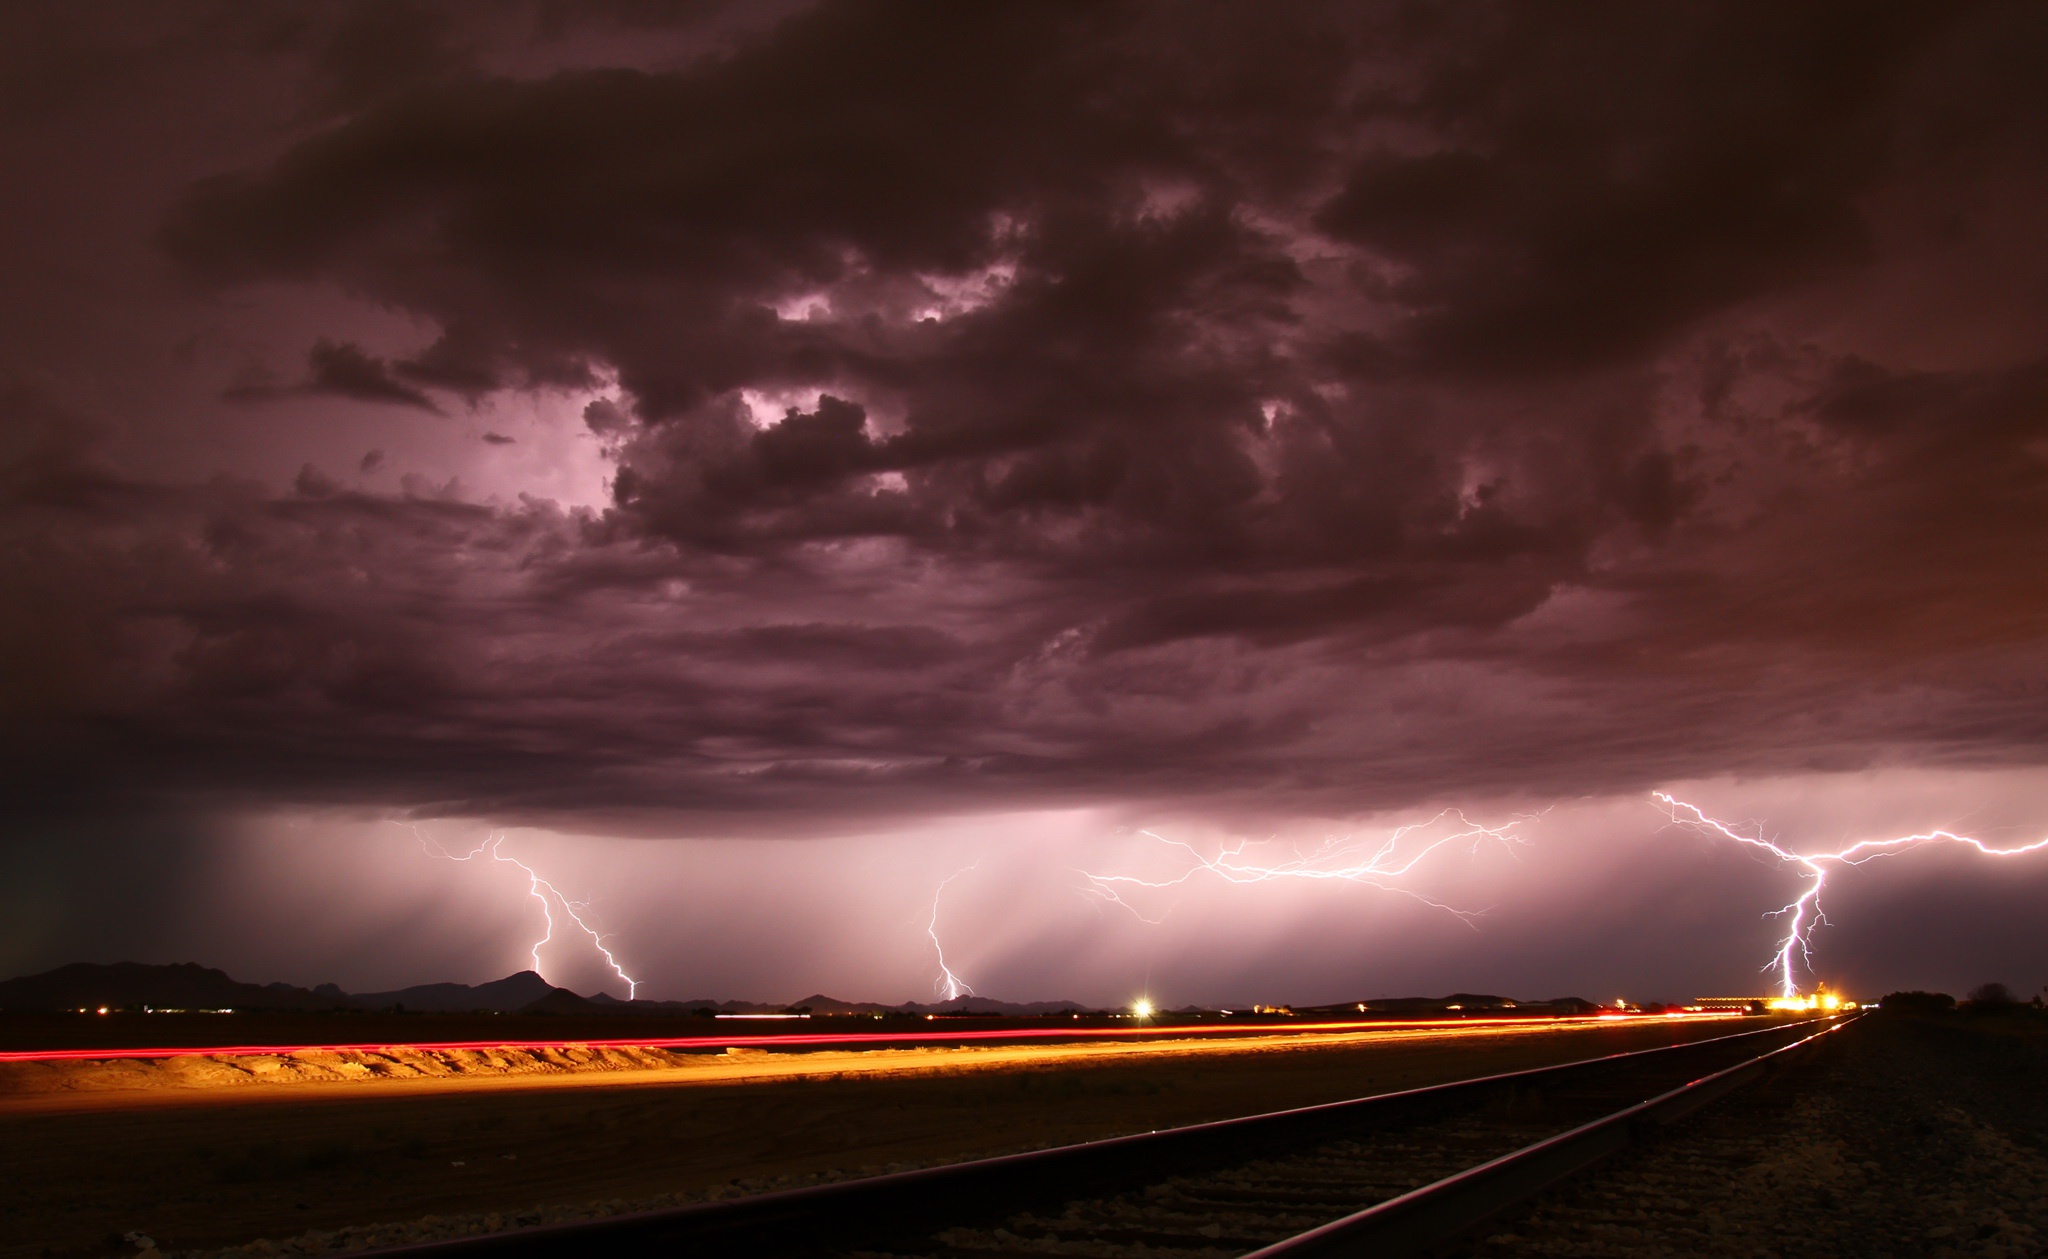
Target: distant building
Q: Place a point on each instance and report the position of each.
(1819, 1000)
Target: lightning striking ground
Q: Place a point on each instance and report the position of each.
(1803, 914)
(540, 889)
(1345, 858)
(948, 983)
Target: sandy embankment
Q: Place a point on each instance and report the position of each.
(69, 1084)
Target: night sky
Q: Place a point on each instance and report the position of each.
(764, 460)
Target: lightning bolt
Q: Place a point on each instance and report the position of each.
(1804, 913)
(950, 984)
(541, 890)
(1344, 857)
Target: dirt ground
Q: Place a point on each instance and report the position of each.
(1906, 1137)
(198, 1158)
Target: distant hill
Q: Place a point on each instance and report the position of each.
(1469, 1002)
(182, 986)
(607, 1003)
(502, 996)
(189, 986)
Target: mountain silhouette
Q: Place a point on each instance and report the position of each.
(180, 986)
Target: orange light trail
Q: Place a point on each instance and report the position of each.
(858, 1039)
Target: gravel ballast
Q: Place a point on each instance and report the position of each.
(1902, 1137)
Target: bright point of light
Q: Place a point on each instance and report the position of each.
(1818, 1001)
(1142, 1007)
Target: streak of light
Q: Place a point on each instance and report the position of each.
(1804, 913)
(948, 983)
(1343, 858)
(1453, 1027)
(540, 889)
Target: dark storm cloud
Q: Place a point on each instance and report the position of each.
(341, 371)
(374, 49)
(1606, 175)
(1326, 407)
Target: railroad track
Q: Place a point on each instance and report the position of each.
(1393, 1174)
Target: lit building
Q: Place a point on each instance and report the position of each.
(1820, 1001)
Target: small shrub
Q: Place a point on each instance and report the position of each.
(1990, 999)
(1918, 1002)
(1992, 994)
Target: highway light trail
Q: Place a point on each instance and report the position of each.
(856, 1040)
(1804, 913)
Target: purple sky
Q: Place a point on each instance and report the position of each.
(766, 459)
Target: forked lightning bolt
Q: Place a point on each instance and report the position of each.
(1804, 913)
(540, 889)
(1344, 858)
(948, 983)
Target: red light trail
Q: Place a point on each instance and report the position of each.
(859, 1039)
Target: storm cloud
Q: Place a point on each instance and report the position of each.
(1319, 409)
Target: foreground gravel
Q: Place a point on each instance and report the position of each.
(443, 1227)
(1895, 1140)
(1899, 1137)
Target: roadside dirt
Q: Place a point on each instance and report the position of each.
(75, 1084)
(1903, 1138)
(196, 1158)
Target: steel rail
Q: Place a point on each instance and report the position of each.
(875, 1211)
(1420, 1221)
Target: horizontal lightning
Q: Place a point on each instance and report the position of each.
(1344, 858)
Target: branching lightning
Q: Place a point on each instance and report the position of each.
(1345, 857)
(1803, 914)
(948, 983)
(541, 890)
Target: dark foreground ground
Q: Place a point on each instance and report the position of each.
(195, 1172)
(1904, 1136)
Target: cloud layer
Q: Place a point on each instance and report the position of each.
(1282, 413)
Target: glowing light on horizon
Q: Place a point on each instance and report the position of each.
(1344, 858)
(540, 889)
(1804, 913)
(948, 983)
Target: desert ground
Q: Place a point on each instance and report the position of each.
(199, 1152)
